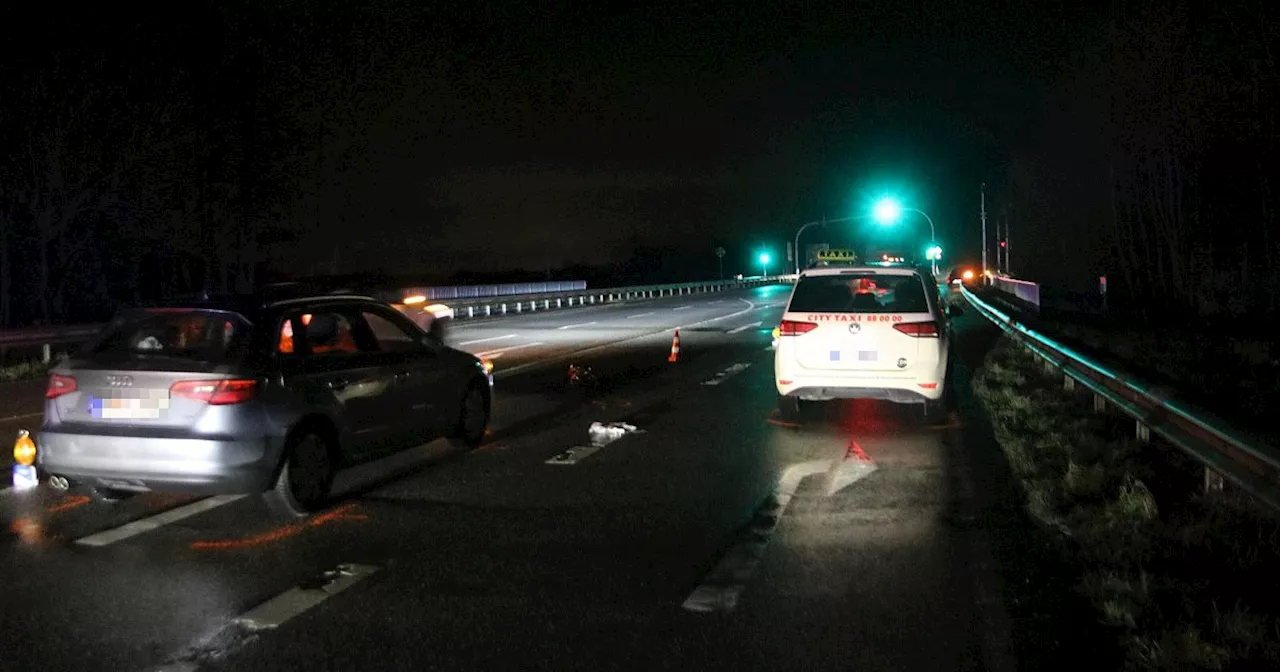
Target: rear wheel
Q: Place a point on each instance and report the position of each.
(304, 480)
(473, 419)
(789, 407)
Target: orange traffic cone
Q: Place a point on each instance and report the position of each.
(675, 347)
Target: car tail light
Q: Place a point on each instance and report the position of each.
(59, 385)
(215, 392)
(918, 329)
(795, 328)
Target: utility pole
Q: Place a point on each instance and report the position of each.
(1008, 245)
(984, 232)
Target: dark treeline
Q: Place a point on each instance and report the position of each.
(158, 153)
(1157, 156)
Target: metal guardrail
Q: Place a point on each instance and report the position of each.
(497, 306)
(1226, 453)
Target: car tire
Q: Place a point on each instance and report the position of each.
(788, 407)
(302, 486)
(473, 418)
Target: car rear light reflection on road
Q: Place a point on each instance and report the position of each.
(795, 327)
(215, 392)
(918, 329)
(59, 385)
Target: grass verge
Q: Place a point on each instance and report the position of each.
(1181, 579)
(29, 370)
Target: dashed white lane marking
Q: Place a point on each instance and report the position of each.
(278, 610)
(575, 326)
(727, 373)
(632, 317)
(745, 327)
(500, 351)
(486, 340)
(597, 348)
(574, 455)
(682, 308)
(149, 523)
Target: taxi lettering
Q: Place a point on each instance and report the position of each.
(851, 317)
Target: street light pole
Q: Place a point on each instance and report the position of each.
(984, 232)
(933, 233)
(824, 221)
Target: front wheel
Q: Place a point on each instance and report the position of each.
(304, 480)
(473, 419)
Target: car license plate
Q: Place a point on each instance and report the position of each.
(117, 408)
(25, 476)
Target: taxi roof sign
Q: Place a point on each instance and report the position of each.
(836, 255)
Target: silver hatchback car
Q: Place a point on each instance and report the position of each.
(253, 394)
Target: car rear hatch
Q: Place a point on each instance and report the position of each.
(161, 368)
(858, 320)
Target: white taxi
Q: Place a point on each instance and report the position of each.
(863, 332)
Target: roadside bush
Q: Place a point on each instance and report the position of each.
(1174, 573)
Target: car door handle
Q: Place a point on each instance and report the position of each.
(340, 383)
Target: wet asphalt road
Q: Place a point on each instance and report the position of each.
(498, 559)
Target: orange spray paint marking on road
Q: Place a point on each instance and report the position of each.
(343, 512)
(69, 502)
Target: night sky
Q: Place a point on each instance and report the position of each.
(492, 136)
(559, 136)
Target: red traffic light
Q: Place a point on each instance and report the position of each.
(1004, 243)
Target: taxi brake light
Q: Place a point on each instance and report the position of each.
(918, 329)
(58, 386)
(215, 392)
(795, 327)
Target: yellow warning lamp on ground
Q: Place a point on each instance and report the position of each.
(24, 449)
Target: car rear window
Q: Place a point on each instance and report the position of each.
(859, 293)
(199, 335)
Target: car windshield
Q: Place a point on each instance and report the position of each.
(198, 335)
(860, 292)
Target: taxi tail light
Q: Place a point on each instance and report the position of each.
(918, 329)
(215, 392)
(59, 385)
(795, 327)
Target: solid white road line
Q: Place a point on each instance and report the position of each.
(575, 326)
(278, 610)
(723, 586)
(159, 520)
(22, 416)
(500, 351)
(486, 340)
(632, 317)
(744, 327)
(682, 308)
